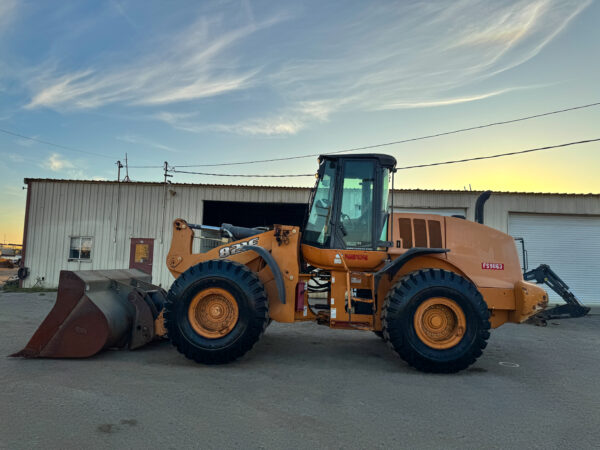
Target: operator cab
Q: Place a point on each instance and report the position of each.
(349, 205)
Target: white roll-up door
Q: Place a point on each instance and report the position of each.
(570, 245)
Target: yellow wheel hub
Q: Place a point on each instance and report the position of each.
(213, 313)
(440, 323)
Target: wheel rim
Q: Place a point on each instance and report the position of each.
(213, 313)
(440, 323)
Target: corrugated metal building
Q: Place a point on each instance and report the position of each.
(80, 225)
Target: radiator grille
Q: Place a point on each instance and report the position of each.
(435, 234)
(420, 233)
(405, 227)
(420, 230)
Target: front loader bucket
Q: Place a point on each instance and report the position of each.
(95, 310)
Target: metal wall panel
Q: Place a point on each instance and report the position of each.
(113, 213)
(500, 204)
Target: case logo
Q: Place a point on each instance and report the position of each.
(236, 248)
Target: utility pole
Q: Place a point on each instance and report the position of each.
(126, 179)
(119, 167)
(166, 169)
(167, 176)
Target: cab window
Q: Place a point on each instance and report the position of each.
(318, 227)
(356, 211)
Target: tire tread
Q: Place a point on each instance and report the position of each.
(397, 300)
(247, 281)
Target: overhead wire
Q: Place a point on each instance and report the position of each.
(244, 175)
(348, 150)
(52, 144)
(402, 141)
(499, 155)
(439, 163)
(146, 167)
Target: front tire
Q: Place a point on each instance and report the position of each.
(216, 311)
(436, 320)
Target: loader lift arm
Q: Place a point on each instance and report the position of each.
(573, 307)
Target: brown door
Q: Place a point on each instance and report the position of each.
(141, 253)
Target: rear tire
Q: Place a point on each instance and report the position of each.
(235, 296)
(436, 320)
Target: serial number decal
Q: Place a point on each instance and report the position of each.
(356, 256)
(492, 266)
(236, 248)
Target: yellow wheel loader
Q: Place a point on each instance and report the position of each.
(430, 286)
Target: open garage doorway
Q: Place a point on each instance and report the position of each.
(253, 214)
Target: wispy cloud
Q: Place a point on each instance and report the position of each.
(420, 54)
(137, 140)
(57, 163)
(185, 67)
(7, 10)
(120, 9)
(289, 121)
(453, 100)
(399, 56)
(379, 56)
(26, 142)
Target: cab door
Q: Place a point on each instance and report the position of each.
(355, 217)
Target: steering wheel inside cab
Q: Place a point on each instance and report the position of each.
(322, 203)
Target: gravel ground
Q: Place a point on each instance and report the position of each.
(302, 386)
(5, 274)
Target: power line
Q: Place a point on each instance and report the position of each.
(64, 147)
(439, 163)
(499, 155)
(146, 167)
(244, 175)
(403, 141)
(354, 149)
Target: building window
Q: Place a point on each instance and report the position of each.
(81, 249)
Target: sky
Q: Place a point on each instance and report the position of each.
(194, 83)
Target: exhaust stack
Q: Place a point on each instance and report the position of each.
(479, 204)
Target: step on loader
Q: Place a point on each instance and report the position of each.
(432, 287)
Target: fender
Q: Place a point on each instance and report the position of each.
(264, 254)
(394, 266)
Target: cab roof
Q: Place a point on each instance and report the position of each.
(384, 160)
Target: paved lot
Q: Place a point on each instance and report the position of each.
(303, 386)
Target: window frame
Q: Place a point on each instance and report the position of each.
(333, 208)
(80, 259)
(339, 240)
